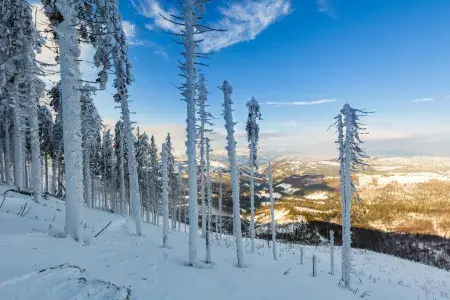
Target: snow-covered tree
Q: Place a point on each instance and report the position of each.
(351, 157)
(142, 147)
(209, 197)
(165, 195)
(91, 127)
(107, 151)
(219, 221)
(273, 224)
(191, 12)
(6, 146)
(153, 175)
(204, 117)
(173, 181)
(252, 129)
(123, 79)
(57, 143)
(63, 18)
(234, 170)
(120, 149)
(46, 128)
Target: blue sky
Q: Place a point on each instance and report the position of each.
(388, 56)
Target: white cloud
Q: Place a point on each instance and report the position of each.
(161, 52)
(325, 7)
(129, 29)
(153, 10)
(422, 100)
(242, 20)
(131, 33)
(301, 103)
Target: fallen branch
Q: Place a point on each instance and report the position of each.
(103, 229)
(24, 213)
(15, 191)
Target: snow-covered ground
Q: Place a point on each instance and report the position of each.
(401, 178)
(317, 196)
(287, 187)
(266, 194)
(107, 266)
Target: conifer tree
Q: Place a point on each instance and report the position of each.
(252, 129)
(153, 180)
(352, 158)
(272, 213)
(63, 18)
(204, 117)
(46, 128)
(209, 198)
(165, 195)
(231, 149)
(173, 181)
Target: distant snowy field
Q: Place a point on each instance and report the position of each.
(117, 260)
(405, 179)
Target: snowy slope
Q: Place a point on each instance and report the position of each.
(139, 263)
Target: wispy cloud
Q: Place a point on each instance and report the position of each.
(131, 34)
(153, 10)
(242, 20)
(301, 103)
(422, 100)
(325, 7)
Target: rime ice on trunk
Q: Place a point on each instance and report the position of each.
(87, 178)
(132, 165)
(165, 196)
(209, 197)
(189, 43)
(231, 148)
(122, 175)
(71, 109)
(8, 178)
(346, 243)
(2, 162)
(252, 129)
(272, 214)
(204, 118)
(17, 138)
(220, 205)
(36, 179)
(54, 174)
(351, 157)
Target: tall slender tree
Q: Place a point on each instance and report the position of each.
(209, 197)
(272, 213)
(153, 180)
(173, 181)
(234, 170)
(204, 117)
(352, 157)
(252, 129)
(63, 19)
(46, 128)
(165, 195)
(190, 31)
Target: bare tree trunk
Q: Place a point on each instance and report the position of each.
(8, 178)
(54, 174)
(2, 165)
(46, 172)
